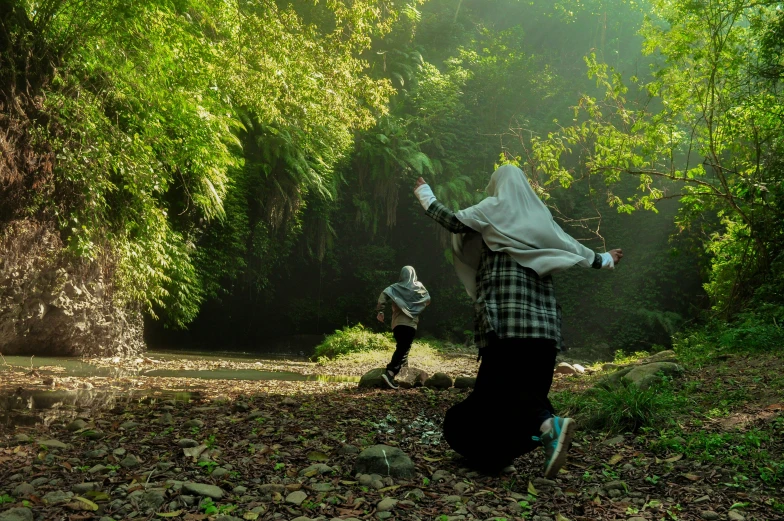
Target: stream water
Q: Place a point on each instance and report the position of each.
(29, 407)
(76, 367)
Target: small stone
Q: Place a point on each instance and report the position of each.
(318, 468)
(202, 489)
(701, 499)
(166, 419)
(383, 515)
(24, 490)
(614, 493)
(416, 494)
(37, 482)
(76, 425)
(96, 469)
(385, 460)
(152, 499)
(57, 496)
(96, 454)
(17, 514)
(301, 518)
(81, 488)
(564, 368)
(636, 518)
(544, 482)
(452, 499)
(269, 488)
(93, 434)
(288, 400)
(709, 515)
(296, 497)
(193, 423)
(220, 472)
(53, 444)
(119, 452)
(615, 441)
(129, 462)
(241, 407)
(441, 475)
(386, 504)
(348, 449)
(129, 425)
(252, 415)
(514, 507)
(615, 485)
(734, 515)
(187, 443)
(461, 487)
(239, 490)
(322, 487)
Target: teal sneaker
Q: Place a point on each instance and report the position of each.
(556, 444)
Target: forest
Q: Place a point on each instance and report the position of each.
(244, 173)
(238, 175)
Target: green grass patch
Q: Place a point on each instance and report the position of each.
(750, 334)
(623, 409)
(356, 339)
(746, 453)
(353, 339)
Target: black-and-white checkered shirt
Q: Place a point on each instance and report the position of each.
(512, 301)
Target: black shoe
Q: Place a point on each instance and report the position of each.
(389, 379)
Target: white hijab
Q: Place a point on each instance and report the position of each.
(514, 220)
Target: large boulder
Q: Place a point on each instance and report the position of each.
(662, 356)
(372, 379)
(643, 376)
(409, 377)
(564, 368)
(613, 380)
(385, 461)
(439, 381)
(465, 382)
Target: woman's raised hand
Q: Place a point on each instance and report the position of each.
(419, 183)
(617, 255)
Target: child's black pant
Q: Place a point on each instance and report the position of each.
(404, 336)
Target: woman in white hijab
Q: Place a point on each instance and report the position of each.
(409, 298)
(505, 250)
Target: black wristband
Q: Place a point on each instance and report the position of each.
(597, 262)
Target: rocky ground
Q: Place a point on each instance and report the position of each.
(228, 450)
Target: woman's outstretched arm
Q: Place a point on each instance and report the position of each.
(437, 211)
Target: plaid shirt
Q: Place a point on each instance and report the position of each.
(512, 301)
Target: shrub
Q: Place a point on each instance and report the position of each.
(352, 339)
